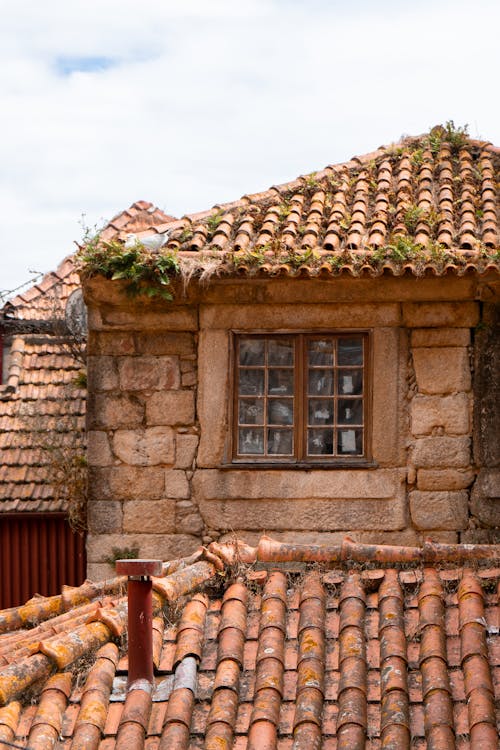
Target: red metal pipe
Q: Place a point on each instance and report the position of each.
(140, 616)
(140, 630)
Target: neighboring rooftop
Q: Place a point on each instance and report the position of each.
(42, 399)
(281, 646)
(43, 300)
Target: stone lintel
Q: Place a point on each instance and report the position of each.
(278, 317)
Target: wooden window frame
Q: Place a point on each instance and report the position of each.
(300, 459)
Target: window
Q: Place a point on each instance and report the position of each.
(300, 397)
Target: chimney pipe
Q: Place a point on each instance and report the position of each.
(140, 616)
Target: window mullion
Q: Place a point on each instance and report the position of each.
(300, 398)
(266, 396)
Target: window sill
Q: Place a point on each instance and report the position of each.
(306, 465)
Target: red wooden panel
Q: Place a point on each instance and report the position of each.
(39, 553)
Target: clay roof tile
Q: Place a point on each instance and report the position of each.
(344, 201)
(389, 653)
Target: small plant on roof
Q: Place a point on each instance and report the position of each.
(439, 254)
(145, 273)
(335, 261)
(213, 222)
(412, 216)
(310, 181)
(377, 256)
(417, 157)
(185, 235)
(305, 257)
(283, 210)
(253, 257)
(394, 150)
(491, 254)
(345, 222)
(334, 182)
(403, 248)
(435, 139)
(454, 135)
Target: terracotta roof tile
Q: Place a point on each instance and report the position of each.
(385, 656)
(411, 207)
(141, 215)
(42, 407)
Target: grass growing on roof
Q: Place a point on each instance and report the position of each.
(145, 273)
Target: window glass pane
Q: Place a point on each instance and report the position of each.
(280, 411)
(252, 351)
(251, 411)
(350, 382)
(350, 411)
(320, 442)
(320, 352)
(280, 442)
(350, 442)
(320, 411)
(325, 421)
(250, 441)
(320, 382)
(350, 351)
(280, 352)
(251, 382)
(280, 382)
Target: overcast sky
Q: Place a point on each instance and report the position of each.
(188, 103)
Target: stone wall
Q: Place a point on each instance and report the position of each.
(142, 442)
(160, 475)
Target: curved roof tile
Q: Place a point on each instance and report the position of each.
(362, 645)
(426, 203)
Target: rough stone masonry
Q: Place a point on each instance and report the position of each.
(159, 379)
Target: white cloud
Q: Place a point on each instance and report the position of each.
(202, 102)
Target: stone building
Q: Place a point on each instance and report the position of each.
(328, 365)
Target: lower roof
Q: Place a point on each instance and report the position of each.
(279, 646)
